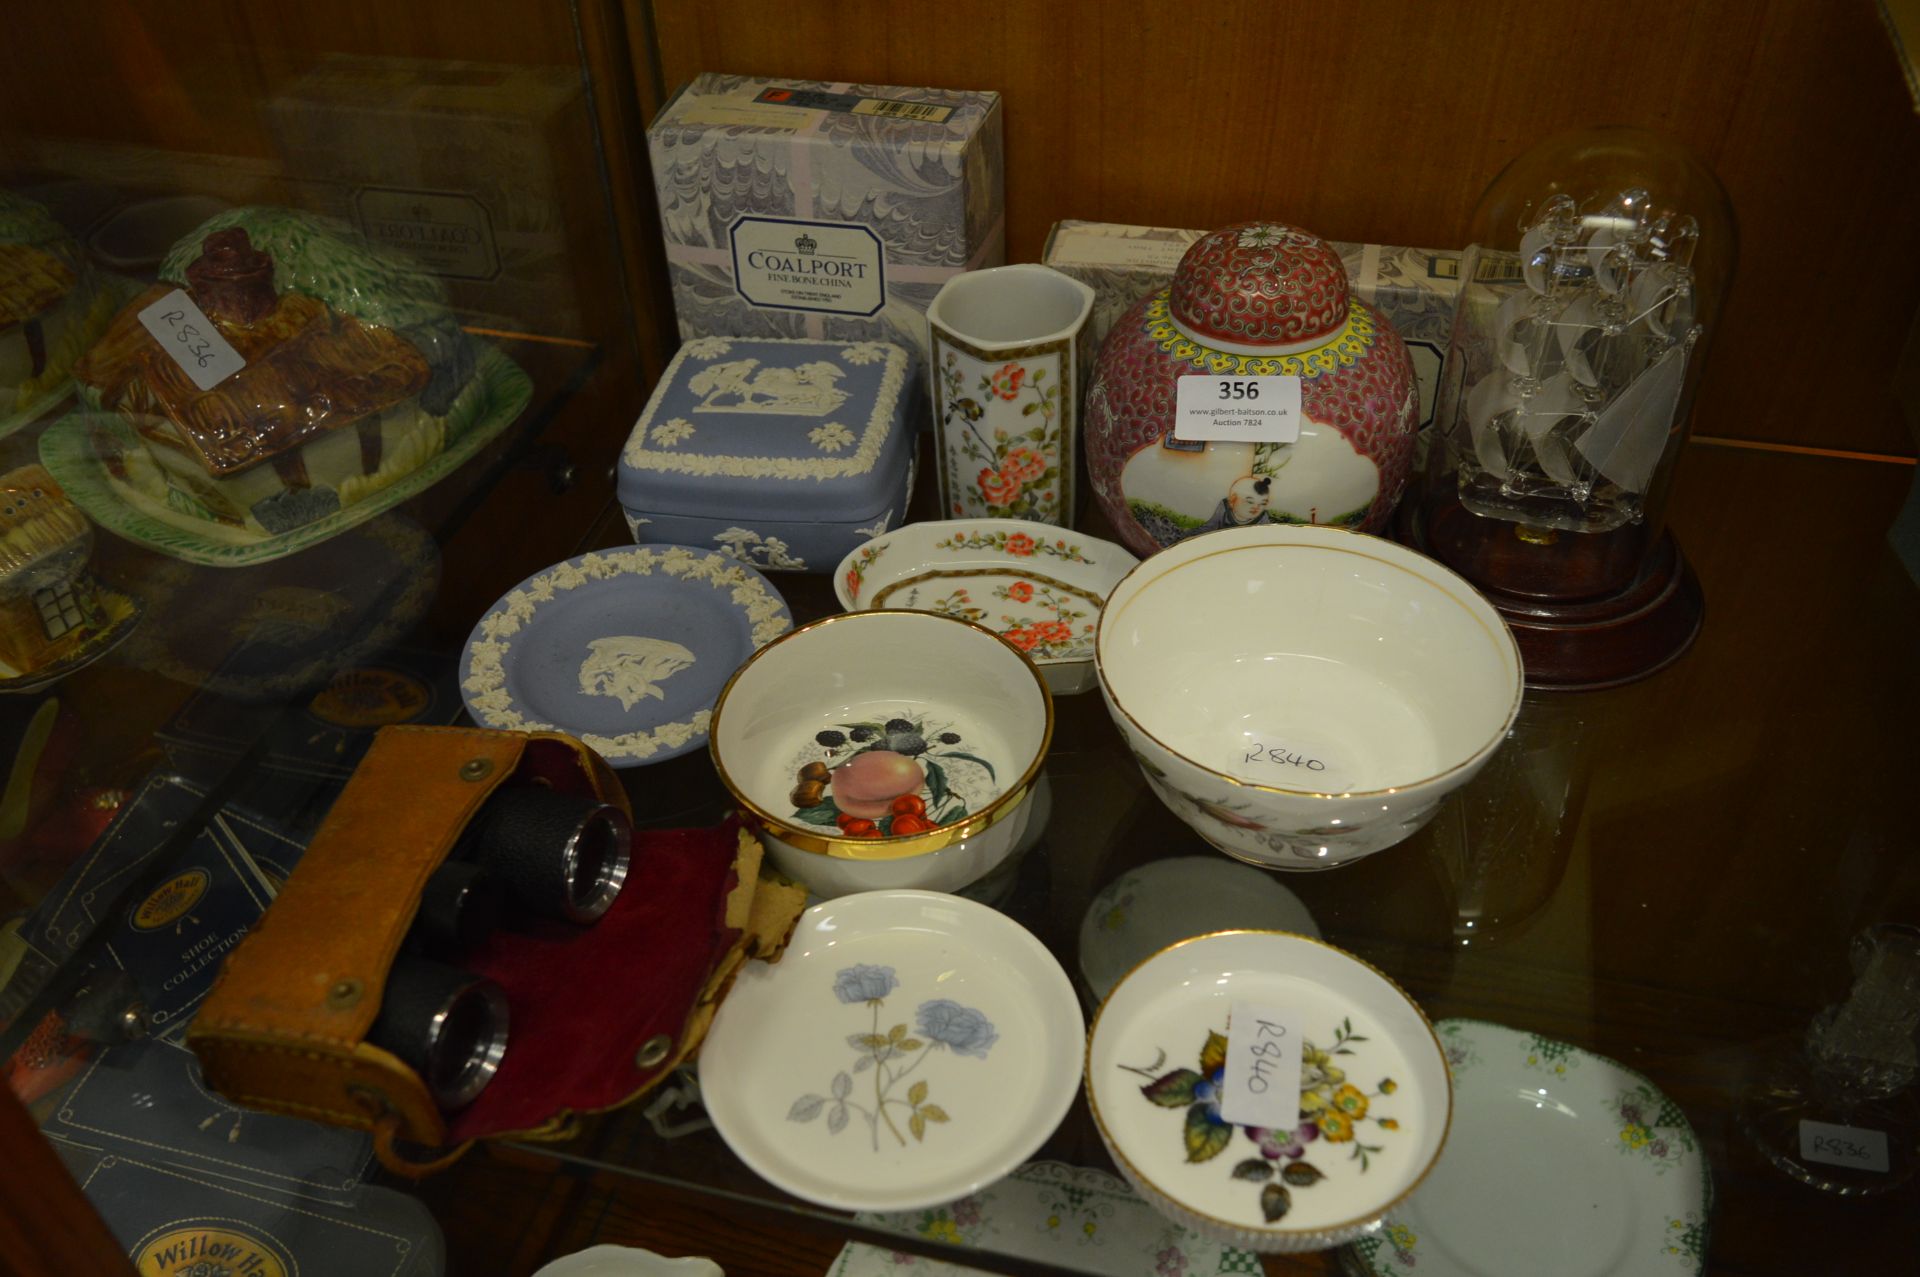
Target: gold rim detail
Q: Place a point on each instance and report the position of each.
(902, 846)
(1358, 1222)
(1497, 631)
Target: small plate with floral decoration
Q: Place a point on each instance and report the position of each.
(626, 649)
(1560, 1162)
(1374, 1100)
(1039, 587)
(908, 1048)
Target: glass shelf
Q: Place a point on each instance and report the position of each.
(1679, 900)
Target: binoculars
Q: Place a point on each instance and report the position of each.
(562, 857)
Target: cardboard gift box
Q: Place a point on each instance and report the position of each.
(1415, 288)
(799, 208)
(468, 167)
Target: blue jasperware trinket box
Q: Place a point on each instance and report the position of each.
(784, 454)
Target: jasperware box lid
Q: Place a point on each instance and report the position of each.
(773, 429)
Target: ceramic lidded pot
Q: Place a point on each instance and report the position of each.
(1256, 300)
(784, 453)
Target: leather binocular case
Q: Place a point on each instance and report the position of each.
(461, 873)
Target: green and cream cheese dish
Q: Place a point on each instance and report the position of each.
(347, 373)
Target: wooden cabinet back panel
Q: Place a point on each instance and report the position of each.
(1383, 121)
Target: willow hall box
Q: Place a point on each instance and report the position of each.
(783, 453)
(800, 208)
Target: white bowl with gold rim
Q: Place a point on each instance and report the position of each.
(885, 749)
(1375, 1101)
(1304, 696)
(1039, 587)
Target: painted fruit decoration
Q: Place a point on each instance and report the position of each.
(889, 779)
(1255, 300)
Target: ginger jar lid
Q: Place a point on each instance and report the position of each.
(1259, 284)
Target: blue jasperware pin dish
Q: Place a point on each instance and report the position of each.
(625, 649)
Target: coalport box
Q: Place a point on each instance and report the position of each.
(808, 209)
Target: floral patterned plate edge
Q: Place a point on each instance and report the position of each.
(1037, 586)
(1073, 1217)
(626, 649)
(909, 1048)
(1560, 1161)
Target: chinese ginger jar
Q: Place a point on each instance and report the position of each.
(1256, 300)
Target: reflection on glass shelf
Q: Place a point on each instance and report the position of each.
(1505, 841)
(258, 684)
(1837, 1112)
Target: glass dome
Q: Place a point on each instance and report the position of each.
(1598, 264)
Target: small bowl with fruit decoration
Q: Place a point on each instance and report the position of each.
(885, 749)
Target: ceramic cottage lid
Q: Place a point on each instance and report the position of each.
(807, 431)
(1259, 284)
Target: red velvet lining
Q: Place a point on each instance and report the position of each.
(583, 1000)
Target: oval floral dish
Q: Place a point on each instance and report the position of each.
(1560, 1162)
(1034, 585)
(625, 649)
(1374, 1100)
(907, 1049)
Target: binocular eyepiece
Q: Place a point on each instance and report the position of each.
(557, 856)
(560, 856)
(448, 1025)
(563, 857)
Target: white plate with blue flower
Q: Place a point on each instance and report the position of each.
(908, 1049)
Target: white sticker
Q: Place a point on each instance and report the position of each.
(1261, 1083)
(1074, 247)
(1852, 1146)
(894, 108)
(185, 333)
(1239, 409)
(784, 263)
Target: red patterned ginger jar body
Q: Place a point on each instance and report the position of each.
(1256, 300)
